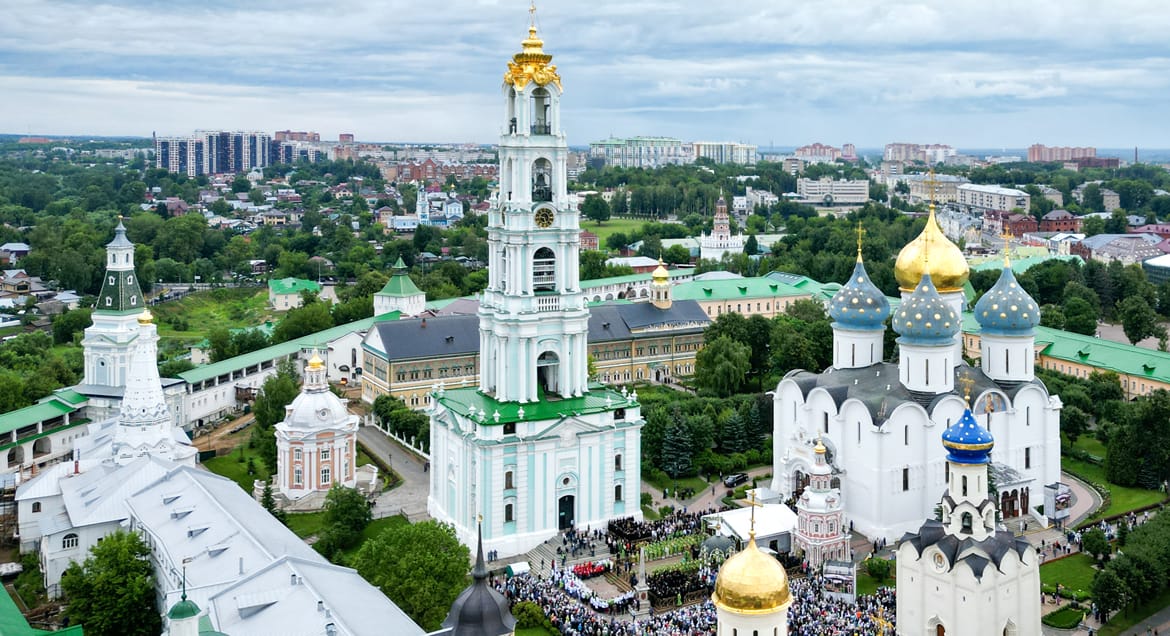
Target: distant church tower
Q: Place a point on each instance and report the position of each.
(109, 342)
(400, 294)
(720, 241)
(821, 525)
(532, 449)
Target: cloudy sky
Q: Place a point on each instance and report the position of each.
(972, 73)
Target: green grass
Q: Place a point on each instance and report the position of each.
(649, 513)
(231, 467)
(612, 226)
(683, 482)
(867, 585)
(306, 524)
(1074, 572)
(206, 310)
(1090, 445)
(1064, 618)
(533, 631)
(1123, 499)
(363, 458)
(1128, 618)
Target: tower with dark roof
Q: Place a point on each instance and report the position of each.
(108, 344)
(479, 610)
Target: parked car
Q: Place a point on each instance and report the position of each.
(731, 481)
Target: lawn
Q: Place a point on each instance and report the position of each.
(224, 307)
(1074, 572)
(533, 631)
(1123, 499)
(231, 467)
(1090, 445)
(683, 482)
(612, 226)
(867, 585)
(306, 524)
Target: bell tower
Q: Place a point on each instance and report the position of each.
(532, 318)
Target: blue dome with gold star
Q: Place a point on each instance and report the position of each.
(1006, 309)
(859, 304)
(924, 318)
(967, 442)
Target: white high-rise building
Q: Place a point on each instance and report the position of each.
(533, 449)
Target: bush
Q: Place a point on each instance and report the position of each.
(879, 569)
(30, 583)
(647, 499)
(665, 510)
(1064, 618)
(529, 615)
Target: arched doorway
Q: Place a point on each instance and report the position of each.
(15, 456)
(547, 367)
(566, 512)
(42, 446)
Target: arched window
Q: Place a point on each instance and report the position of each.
(508, 485)
(544, 270)
(36, 507)
(509, 515)
(964, 485)
(542, 185)
(69, 541)
(617, 459)
(617, 492)
(541, 112)
(967, 522)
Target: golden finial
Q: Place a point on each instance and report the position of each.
(145, 318)
(1007, 243)
(754, 504)
(967, 381)
(860, 236)
(932, 185)
(532, 14)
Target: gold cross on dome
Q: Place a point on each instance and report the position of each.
(932, 185)
(754, 504)
(1007, 244)
(532, 12)
(860, 236)
(967, 381)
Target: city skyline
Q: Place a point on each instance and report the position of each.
(987, 74)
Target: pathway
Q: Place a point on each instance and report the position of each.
(410, 497)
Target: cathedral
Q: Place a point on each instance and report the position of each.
(961, 575)
(877, 420)
(534, 448)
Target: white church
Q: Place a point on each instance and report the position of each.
(720, 241)
(534, 449)
(878, 420)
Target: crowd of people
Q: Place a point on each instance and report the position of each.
(575, 610)
(814, 613)
(625, 533)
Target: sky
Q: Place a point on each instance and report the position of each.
(971, 73)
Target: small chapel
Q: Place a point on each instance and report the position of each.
(877, 418)
(963, 575)
(535, 448)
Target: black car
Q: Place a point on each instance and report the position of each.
(731, 481)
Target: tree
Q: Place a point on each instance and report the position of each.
(1094, 542)
(268, 409)
(241, 184)
(1073, 422)
(309, 318)
(722, 366)
(677, 449)
(269, 503)
(751, 246)
(70, 323)
(1108, 591)
(422, 567)
(676, 255)
(1138, 319)
(1079, 316)
(734, 437)
(112, 592)
(595, 208)
(346, 515)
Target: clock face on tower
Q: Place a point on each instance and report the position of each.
(544, 217)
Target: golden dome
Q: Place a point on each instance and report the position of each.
(532, 64)
(751, 582)
(660, 275)
(146, 317)
(316, 363)
(819, 449)
(931, 253)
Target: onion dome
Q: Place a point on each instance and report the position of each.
(145, 318)
(946, 265)
(1006, 309)
(661, 275)
(717, 543)
(967, 442)
(531, 64)
(751, 582)
(924, 318)
(480, 610)
(183, 609)
(859, 304)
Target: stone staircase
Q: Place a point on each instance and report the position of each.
(547, 552)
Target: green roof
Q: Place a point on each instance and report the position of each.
(183, 609)
(13, 623)
(252, 358)
(443, 302)
(30, 415)
(1021, 265)
(400, 284)
(73, 423)
(733, 288)
(292, 286)
(461, 401)
(70, 396)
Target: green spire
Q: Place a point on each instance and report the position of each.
(120, 291)
(400, 283)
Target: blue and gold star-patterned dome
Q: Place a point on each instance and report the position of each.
(967, 442)
(859, 304)
(1006, 309)
(924, 318)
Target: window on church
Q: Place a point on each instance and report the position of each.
(510, 428)
(906, 435)
(967, 522)
(905, 479)
(297, 476)
(964, 485)
(296, 454)
(325, 476)
(69, 541)
(617, 462)
(36, 507)
(324, 454)
(509, 515)
(1027, 458)
(617, 492)
(508, 485)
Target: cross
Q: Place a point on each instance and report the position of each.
(880, 619)
(967, 381)
(1007, 243)
(532, 12)
(860, 235)
(754, 504)
(932, 184)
